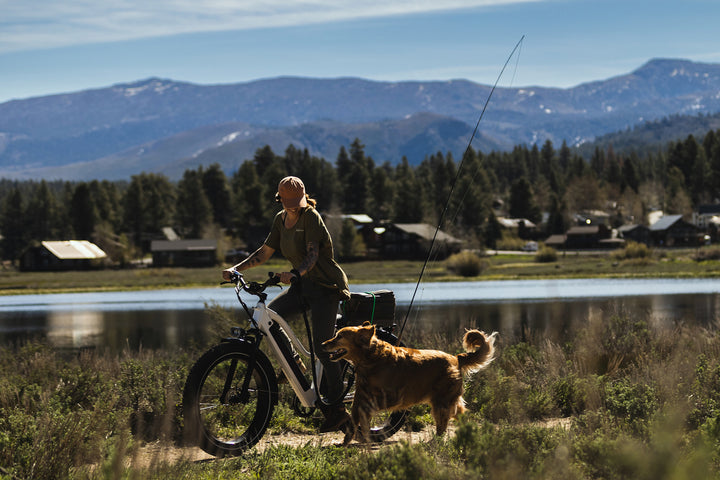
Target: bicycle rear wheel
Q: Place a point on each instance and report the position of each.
(384, 424)
(222, 417)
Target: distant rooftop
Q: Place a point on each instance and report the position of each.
(665, 222)
(515, 222)
(74, 249)
(427, 232)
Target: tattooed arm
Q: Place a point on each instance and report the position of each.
(307, 264)
(311, 258)
(258, 257)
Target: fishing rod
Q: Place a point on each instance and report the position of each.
(452, 187)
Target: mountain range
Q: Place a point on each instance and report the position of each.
(164, 126)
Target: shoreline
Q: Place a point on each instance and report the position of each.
(516, 266)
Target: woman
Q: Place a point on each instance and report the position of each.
(300, 234)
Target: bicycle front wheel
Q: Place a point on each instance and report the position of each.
(227, 407)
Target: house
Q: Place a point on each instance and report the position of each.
(556, 241)
(335, 222)
(184, 253)
(612, 242)
(62, 255)
(673, 231)
(592, 217)
(358, 219)
(635, 232)
(589, 236)
(706, 216)
(410, 240)
(523, 227)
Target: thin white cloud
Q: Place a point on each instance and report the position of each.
(38, 24)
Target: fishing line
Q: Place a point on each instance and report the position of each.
(452, 186)
(477, 170)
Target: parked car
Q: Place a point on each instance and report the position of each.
(530, 247)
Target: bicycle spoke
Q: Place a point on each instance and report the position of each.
(224, 424)
(228, 380)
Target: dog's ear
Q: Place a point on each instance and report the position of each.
(369, 326)
(367, 331)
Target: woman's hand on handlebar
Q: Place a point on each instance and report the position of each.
(228, 274)
(287, 277)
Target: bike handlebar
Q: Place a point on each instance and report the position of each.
(253, 288)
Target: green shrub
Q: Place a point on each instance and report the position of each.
(631, 401)
(603, 347)
(496, 396)
(602, 455)
(632, 250)
(546, 255)
(49, 444)
(626, 338)
(401, 462)
(152, 385)
(504, 451)
(466, 264)
(537, 403)
(705, 392)
(603, 451)
(570, 394)
(510, 242)
(521, 353)
(704, 254)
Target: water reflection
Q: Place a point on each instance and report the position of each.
(114, 330)
(559, 320)
(74, 329)
(555, 310)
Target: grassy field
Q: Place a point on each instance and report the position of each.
(620, 401)
(666, 263)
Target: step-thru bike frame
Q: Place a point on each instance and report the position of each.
(231, 391)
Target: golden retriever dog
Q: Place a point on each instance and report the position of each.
(394, 378)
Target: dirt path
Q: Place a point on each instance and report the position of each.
(162, 452)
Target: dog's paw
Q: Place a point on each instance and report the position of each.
(349, 434)
(360, 438)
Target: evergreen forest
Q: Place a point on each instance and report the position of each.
(544, 184)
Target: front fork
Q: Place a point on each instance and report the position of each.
(253, 338)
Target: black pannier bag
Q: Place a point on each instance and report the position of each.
(376, 307)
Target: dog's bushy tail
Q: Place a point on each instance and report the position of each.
(481, 351)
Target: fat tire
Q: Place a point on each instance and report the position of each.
(201, 399)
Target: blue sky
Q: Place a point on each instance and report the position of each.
(57, 46)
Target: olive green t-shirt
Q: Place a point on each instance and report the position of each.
(292, 243)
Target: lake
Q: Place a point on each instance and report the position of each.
(553, 309)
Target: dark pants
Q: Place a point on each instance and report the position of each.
(322, 304)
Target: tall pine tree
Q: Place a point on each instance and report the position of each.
(13, 225)
(193, 210)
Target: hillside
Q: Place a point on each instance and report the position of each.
(654, 135)
(165, 126)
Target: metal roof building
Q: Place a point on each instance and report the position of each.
(62, 255)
